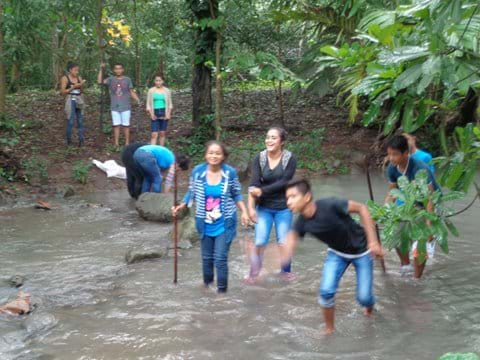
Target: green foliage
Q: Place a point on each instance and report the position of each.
(194, 146)
(406, 223)
(309, 150)
(9, 129)
(414, 61)
(36, 170)
(80, 171)
(459, 356)
(459, 169)
(7, 174)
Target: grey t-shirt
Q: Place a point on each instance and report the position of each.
(119, 92)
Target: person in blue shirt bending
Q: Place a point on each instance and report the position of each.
(155, 160)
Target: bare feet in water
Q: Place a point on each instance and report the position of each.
(319, 334)
(368, 311)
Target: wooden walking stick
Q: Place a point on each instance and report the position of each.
(370, 191)
(175, 219)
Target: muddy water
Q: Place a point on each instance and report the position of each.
(93, 306)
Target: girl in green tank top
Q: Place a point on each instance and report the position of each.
(159, 107)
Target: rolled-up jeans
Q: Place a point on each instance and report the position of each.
(152, 178)
(215, 254)
(333, 270)
(282, 219)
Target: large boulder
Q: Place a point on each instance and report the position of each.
(241, 160)
(142, 253)
(157, 207)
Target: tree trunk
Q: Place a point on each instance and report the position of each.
(204, 50)
(137, 50)
(14, 76)
(101, 49)
(201, 93)
(218, 76)
(218, 87)
(280, 94)
(3, 85)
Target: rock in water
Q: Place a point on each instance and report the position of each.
(68, 191)
(141, 254)
(187, 233)
(241, 161)
(16, 280)
(157, 207)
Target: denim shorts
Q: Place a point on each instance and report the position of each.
(160, 123)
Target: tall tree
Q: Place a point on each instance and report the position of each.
(205, 38)
(3, 85)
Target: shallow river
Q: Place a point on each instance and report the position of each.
(90, 305)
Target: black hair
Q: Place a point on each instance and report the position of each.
(159, 75)
(118, 64)
(222, 146)
(398, 142)
(302, 185)
(183, 161)
(70, 66)
(281, 132)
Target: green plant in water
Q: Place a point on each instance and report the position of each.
(36, 170)
(459, 169)
(80, 171)
(406, 223)
(459, 356)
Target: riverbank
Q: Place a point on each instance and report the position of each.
(36, 163)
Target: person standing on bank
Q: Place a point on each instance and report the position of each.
(329, 220)
(216, 191)
(272, 169)
(121, 89)
(71, 86)
(159, 107)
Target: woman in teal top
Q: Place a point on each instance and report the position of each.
(159, 106)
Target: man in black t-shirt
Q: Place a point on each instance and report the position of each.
(348, 242)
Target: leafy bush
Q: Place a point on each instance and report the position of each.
(36, 170)
(80, 171)
(459, 356)
(406, 223)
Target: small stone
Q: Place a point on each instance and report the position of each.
(17, 280)
(68, 191)
(141, 254)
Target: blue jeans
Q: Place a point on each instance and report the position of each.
(152, 178)
(333, 269)
(266, 219)
(75, 113)
(215, 254)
